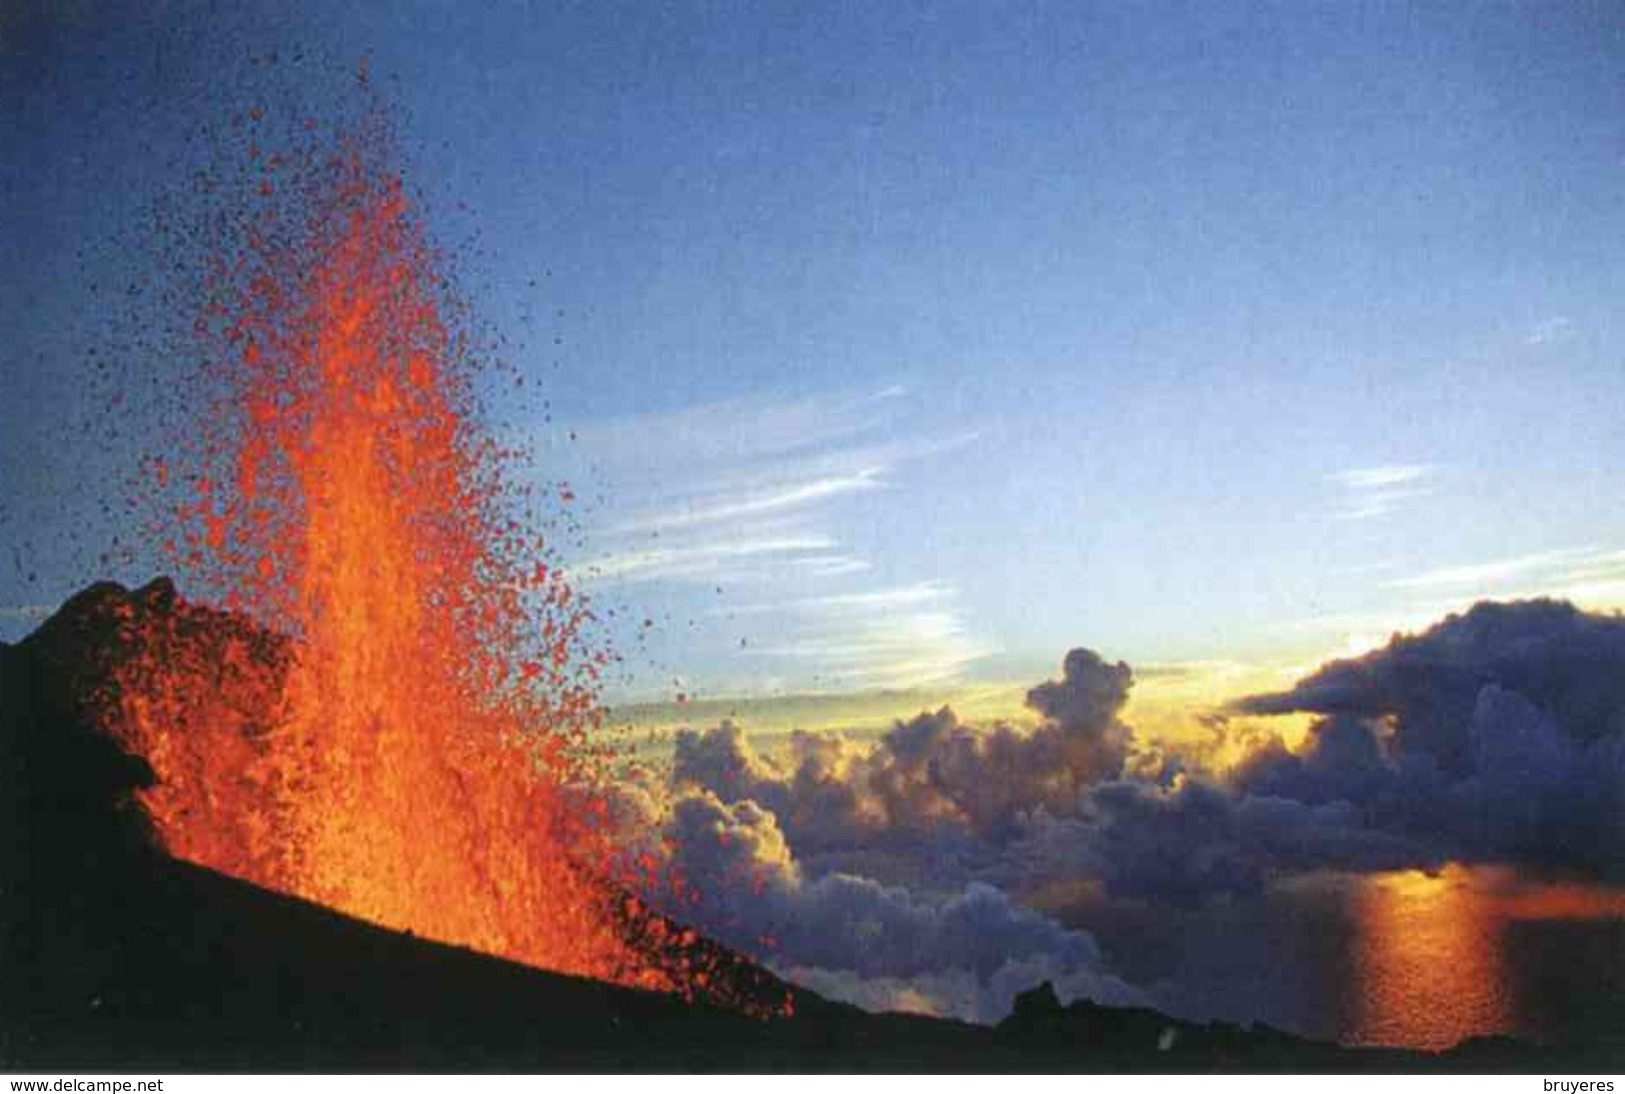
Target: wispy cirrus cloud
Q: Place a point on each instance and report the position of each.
(728, 432)
(700, 561)
(1365, 493)
(1496, 572)
(753, 502)
(896, 637)
(906, 596)
(1589, 576)
(828, 565)
(1381, 478)
(1548, 331)
(1586, 574)
(753, 498)
(882, 649)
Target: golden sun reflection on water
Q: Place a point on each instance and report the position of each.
(1429, 960)
(1429, 967)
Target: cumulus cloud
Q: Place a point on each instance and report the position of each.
(932, 773)
(795, 857)
(889, 873)
(1562, 659)
(1194, 839)
(964, 954)
(1498, 733)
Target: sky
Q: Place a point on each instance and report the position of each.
(908, 346)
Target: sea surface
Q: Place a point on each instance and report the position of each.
(1394, 959)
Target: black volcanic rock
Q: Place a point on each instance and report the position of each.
(1035, 1011)
(113, 955)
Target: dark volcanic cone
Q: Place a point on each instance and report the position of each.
(217, 677)
(113, 952)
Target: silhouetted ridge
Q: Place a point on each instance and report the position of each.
(113, 955)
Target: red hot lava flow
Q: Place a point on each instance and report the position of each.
(411, 751)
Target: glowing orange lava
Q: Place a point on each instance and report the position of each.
(412, 752)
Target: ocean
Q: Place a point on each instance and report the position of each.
(1394, 959)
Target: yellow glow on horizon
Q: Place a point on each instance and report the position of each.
(1177, 704)
(1181, 705)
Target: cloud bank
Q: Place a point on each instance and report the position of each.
(891, 873)
(1497, 735)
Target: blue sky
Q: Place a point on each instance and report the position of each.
(939, 338)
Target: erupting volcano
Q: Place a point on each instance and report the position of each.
(403, 730)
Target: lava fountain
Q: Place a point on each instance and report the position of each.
(402, 731)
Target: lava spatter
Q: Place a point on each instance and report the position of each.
(414, 751)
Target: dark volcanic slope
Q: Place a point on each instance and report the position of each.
(114, 956)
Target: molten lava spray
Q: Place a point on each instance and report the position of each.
(412, 751)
